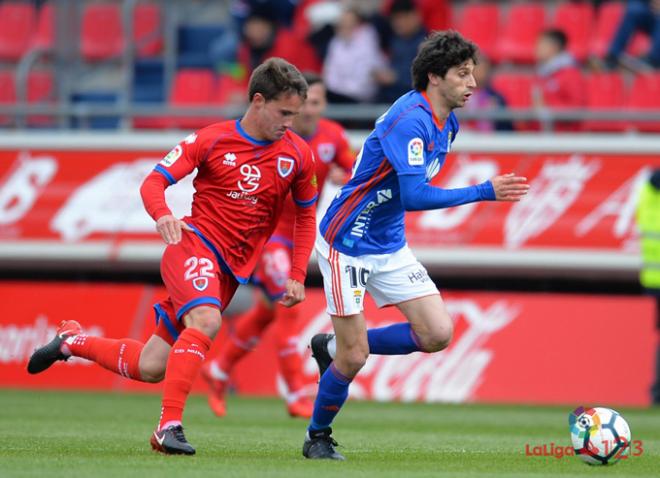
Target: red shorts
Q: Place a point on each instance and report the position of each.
(274, 267)
(193, 276)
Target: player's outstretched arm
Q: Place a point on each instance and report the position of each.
(510, 187)
(295, 293)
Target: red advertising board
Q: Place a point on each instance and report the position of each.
(508, 347)
(579, 201)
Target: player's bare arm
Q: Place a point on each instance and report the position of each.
(510, 187)
(170, 228)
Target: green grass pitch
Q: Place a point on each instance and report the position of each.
(64, 434)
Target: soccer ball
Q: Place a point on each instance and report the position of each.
(600, 435)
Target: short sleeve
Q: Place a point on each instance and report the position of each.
(305, 188)
(404, 144)
(182, 160)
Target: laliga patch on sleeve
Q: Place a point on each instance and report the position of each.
(416, 152)
(172, 156)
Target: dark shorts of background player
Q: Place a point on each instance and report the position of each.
(193, 276)
(274, 267)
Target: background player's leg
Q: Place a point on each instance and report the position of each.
(243, 337)
(185, 360)
(290, 361)
(352, 353)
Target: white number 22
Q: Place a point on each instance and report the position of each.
(205, 267)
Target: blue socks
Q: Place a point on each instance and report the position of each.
(397, 339)
(333, 391)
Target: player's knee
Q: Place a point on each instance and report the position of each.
(352, 361)
(204, 318)
(437, 337)
(152, 371)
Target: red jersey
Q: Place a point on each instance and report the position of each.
(330, 145)
(240, 190)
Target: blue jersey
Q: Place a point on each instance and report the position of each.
(367, 215)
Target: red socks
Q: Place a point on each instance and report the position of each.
(185, 360)
(288, 357)
(121, 356)
(244, 336)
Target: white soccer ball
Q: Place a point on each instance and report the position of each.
(600, 435)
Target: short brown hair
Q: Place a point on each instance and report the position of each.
(438, 53)
(275, 77)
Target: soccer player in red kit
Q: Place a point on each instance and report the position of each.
(334, 159)
(246, 169)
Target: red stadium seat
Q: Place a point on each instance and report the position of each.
(605, 91)
(230, 90)
(147, 33)
(44, 37)
(40, 89)
(192, 87)
(516, 88)
(607, 22)
(102, 34)
(645, 95)
(520, 32)
(576, 19)
(17, 24)
(7, 94)
(480, 23)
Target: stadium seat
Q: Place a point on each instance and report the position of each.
(516, 88)
(576, 19)
(7, 95)
(607, 22)
(230, 90)
(91, 99)
(605, 91)
(40, 89)
(480, 23)
(44, 37)
(519, 33)
(17, 24)
(102, 34)
(191, 87)
(147, 33)
(645, 95)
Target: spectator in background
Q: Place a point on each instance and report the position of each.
(408, 32)
(559, 83)
(354, 59)
(641, 15)
(485, 97)
(648, 221)
(224, 49)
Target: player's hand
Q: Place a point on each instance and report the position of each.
(169, 228)
(336, 175)
(510, 187)
(295, 293)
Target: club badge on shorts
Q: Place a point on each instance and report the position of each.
(200, 283)
(284, 166)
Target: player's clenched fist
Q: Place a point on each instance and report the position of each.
(510, 187)
(169, 228)
(295, 293)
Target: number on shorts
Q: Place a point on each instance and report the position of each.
(357, 275)
(205, 267)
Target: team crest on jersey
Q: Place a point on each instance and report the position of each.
(200, 283)
(284, 166)
(416, 152)
(326, 152)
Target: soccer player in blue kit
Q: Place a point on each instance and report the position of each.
(362, 246)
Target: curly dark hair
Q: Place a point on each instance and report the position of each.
(275, 77)
(438, 53)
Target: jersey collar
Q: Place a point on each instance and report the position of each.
(436, 120)
(252, 140)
